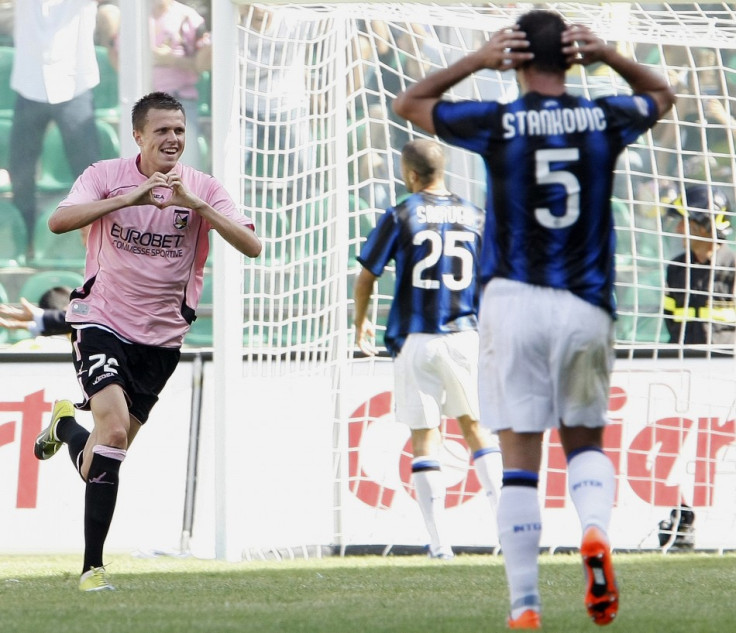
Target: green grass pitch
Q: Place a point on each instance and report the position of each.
(677, 593)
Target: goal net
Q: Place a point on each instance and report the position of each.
(318, 148)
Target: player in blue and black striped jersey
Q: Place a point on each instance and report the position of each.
(546, 316)
(435, 238)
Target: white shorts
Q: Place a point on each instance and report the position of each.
(546, 355)
(436, 375)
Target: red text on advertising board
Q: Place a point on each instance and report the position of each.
(644, 465)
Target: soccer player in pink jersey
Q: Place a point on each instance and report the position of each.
(148, 220)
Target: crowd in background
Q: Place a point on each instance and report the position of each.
(694, 142)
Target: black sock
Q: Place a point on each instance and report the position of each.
(99, 506)
(66, 424)
(74, 435)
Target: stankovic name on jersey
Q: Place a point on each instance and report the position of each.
(437, 214)
(552, 122)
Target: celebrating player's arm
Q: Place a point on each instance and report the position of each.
(68, 218)
(584, 47)
(503, 51)
(365, 335)
(237, 235)
(75, 216)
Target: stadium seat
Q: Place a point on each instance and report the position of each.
(200, 333)
(204, 88)
(56, 251)
(107, 102)
(362, 220)
(13, 235)
(56, 174)
(5, 125)
(40, 281)
(7, 94)
(3, 299)
(312, 220)
(279, 249)
(109, 138)
(205, 158)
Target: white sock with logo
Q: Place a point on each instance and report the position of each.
(591, 481)
(519, 532)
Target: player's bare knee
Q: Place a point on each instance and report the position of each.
(574, 438)
(115, 436)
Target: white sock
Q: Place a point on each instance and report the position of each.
(489, 468)
(430, 488)
(592, 483)
(520, 531)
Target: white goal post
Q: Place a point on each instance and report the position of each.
(305, 139)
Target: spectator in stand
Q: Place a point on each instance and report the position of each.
(699, 304)
(277, 102)
(108, 23)
(54, 73)
(182, 51)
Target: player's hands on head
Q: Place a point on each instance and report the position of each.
(581, 46)
(505, 50)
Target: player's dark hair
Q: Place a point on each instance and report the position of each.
(153, 101)
(56, 298)
(426, 158)
(544, 32)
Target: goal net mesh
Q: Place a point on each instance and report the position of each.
(320, 151)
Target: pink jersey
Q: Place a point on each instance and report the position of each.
(145, 265)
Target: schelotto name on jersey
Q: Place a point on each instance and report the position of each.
(438, 214)
(553, 122)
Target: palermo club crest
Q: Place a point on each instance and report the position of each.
(181, 218)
